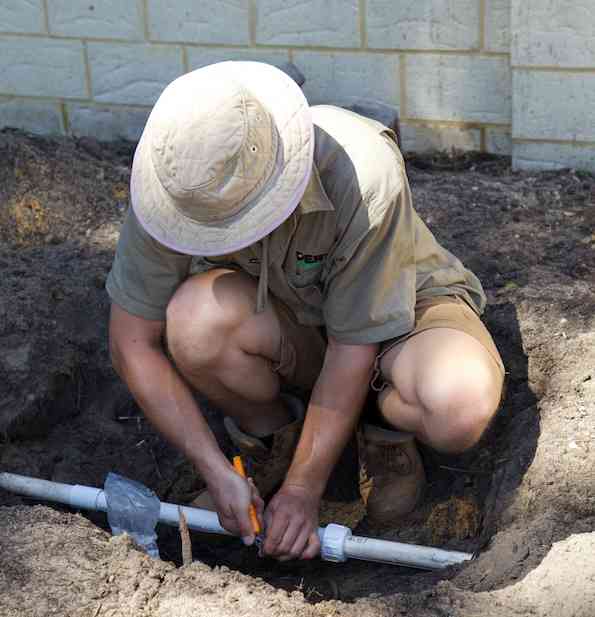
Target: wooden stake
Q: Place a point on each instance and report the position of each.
(185, 537)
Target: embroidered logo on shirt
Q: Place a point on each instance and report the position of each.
(308, 262)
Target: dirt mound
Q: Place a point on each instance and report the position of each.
(64, 416)
(60, 564)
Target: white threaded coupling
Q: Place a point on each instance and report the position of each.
(333, 542)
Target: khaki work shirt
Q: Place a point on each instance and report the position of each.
(353, 257)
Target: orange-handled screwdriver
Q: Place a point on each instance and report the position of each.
(238, 465)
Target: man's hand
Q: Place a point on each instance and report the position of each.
(335, 405)
(233, 495)
(292, 524)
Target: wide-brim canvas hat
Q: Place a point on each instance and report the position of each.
(224, 158)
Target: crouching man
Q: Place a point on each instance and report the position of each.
(269, 244)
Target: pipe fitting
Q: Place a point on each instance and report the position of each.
(332, 545)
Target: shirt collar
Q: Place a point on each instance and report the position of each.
(315, 198)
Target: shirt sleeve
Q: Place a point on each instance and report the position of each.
(145, 274)
(370, 290)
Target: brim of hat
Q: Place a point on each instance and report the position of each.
(290, 111)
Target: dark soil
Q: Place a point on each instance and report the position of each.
(65, 416)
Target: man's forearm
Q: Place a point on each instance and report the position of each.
(171, 408)
(334, 409)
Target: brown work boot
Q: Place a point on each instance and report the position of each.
(392, 478)
(266, 465)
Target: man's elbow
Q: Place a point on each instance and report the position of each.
(119, 352)
(132, 339)
(116, 356)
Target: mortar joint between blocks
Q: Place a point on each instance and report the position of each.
(46, 16)
(402, 86)
(252, 21)
(557, 142)
(75, 100)
(87, 69)
(482, 24)
(145, 7)
(65, 118)
(298, 48)
(363, 24)
(553, 69)
(456, 124)
(185, 61)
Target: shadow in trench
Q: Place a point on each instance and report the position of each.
(514, 435)
(466, 495)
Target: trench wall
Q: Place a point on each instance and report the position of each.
(502, 76)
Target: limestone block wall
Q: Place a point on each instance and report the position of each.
(553, 68)
(459, 74)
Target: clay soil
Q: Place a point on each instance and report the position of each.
(523, 500)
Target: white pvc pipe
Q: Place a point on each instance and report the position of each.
(385, 551)
(89, 498)
(337, 542)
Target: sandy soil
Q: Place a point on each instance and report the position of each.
(524, 499)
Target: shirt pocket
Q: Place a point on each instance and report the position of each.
(309, 249)
(307, 303)
(304, 282)
(308, 266)
(308, 270)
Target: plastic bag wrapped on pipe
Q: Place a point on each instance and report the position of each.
(132, 508)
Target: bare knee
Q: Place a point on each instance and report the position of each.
(458, 407)
(201, 318)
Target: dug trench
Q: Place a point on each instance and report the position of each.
(65, 416)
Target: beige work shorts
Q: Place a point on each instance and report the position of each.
(303, 347)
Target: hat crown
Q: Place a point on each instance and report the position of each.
(213, 146)
(244, 182)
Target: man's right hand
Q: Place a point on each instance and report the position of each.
(138, 357)
(233, 495)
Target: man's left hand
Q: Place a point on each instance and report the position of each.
(292, 524)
